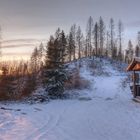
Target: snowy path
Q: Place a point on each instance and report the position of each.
(110, 115)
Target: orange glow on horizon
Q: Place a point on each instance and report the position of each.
(15, 57)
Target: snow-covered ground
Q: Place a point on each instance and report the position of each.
(110, 114)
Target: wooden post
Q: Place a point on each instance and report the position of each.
(134, 84)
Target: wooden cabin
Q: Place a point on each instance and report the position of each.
(134, 66)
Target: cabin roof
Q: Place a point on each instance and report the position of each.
(134, 65)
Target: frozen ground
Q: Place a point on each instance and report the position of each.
(110, 114)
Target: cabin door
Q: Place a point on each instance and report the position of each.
(137, 80)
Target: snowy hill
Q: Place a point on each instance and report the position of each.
(104, 111)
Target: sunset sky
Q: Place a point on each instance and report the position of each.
(25, 23)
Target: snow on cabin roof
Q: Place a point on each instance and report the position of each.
(134, 65)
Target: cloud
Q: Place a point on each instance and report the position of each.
(18, 43)
(20, 40)
(18, 46)
(17, 54)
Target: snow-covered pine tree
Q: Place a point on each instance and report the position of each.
(55, 73)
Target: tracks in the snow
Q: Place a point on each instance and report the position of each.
(42, 132)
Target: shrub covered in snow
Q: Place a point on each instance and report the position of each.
(76, 81)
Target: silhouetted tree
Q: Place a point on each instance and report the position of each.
(96, 38)
(40, 55)
(120, 35)
(112, 36)
(101, 35)
(107, 44)
(129, 52)
(73, 33)
(89, 33)
(34, 60)
(79, 37)
(71, 46)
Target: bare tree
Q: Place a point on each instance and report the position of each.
(101, 35)
(112, 33)
(86, 47)
(120, 36)
(34, 60)
(107, 44)
(70, 46)
(89, 35)
(137, 49)
(40, 55)
(96, 38)
(73, 33)
(130, 52)
(79, 37)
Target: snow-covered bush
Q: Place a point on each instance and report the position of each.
(97, 68)
(75, 81)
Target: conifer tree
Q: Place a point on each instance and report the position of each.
(55, 71)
